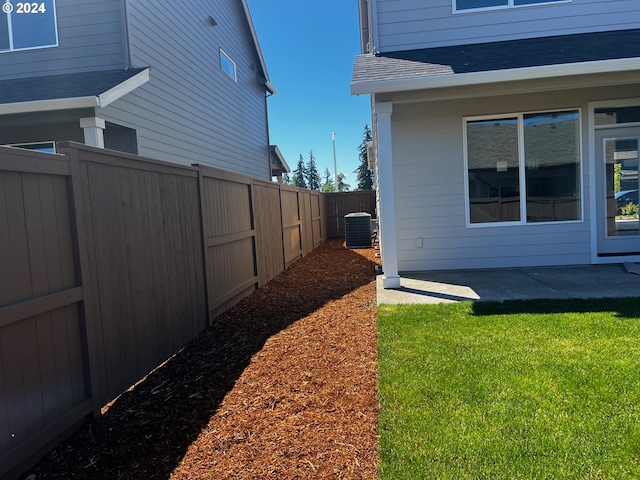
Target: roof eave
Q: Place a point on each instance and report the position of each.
(120, 90)
(49, 105)
(495, 76)
(102, 100)
(268, 85)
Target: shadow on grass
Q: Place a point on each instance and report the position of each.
(628, 307)
(147, 431)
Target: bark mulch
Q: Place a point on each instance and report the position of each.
(281, 386)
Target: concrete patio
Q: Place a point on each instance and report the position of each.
(588, 281)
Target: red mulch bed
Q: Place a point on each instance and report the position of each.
(281, 386)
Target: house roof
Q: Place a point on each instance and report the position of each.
(497, 61)
(70, 90)
(279, 165)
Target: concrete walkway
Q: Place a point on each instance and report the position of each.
(589, 281)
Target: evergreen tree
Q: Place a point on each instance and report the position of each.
(286, 180)
(300, 174)
(342, 186)
(364, 174)
(328, 186)
(313, 177)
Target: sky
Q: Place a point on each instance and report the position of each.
(309, 47)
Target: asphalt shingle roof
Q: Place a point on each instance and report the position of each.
(70, 85)
(493, 56)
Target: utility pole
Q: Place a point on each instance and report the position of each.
(335, 162)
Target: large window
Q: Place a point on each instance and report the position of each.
(26, 25)
(464, 5)
(524, 168)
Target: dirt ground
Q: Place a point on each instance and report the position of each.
(281, 386)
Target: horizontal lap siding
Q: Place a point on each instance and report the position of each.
(42, 375)
(90, 37)
(409, 24)
(429, 187)
(143, 264)
(191, 111)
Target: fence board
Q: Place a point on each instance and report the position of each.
(229, 236)
(138, 218)
(112, 264)
(339, 204)
(268, 224)
(41, 363)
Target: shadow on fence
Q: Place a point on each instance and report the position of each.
(111, 263)
(146, 432)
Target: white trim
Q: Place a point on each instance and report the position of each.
(49, 105)
(26, 144)
(102, 100)
(129, 85)
(591, 108)
(522, 182)
(510, 4)
(373, 25)
(387, 222)
(93, 128)
(38, 47)
(495, 76)
(270, 88)
(225, 55)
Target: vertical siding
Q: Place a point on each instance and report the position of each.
(410, 24)
(90, 37)
(191, 111)
(429, 188)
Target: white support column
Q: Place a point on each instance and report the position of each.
(387, 221)
(93, 131)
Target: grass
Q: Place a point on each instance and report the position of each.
(513, 390)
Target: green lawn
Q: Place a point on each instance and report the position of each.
(513, 390)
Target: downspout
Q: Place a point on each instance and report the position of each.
(126, 47)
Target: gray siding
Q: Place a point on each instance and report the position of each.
(411, 24)
(429, 186)
(191, 111)
(90, 37)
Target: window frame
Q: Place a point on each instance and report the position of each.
(28, 146)
(10, 31)
(225, 55)
(522, 168)
(509, 4)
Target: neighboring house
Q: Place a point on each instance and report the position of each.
(177, 81)
(279, 165)
(503, 130)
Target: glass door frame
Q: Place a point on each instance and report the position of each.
(596, 175)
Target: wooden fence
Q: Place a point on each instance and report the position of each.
(110, 263)
(338, 205)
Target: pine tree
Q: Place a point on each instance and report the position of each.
(342, 186)
(328, 186)
(364, 174)
(300, 174)
(313, 177)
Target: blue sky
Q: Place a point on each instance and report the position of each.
(309, 47)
